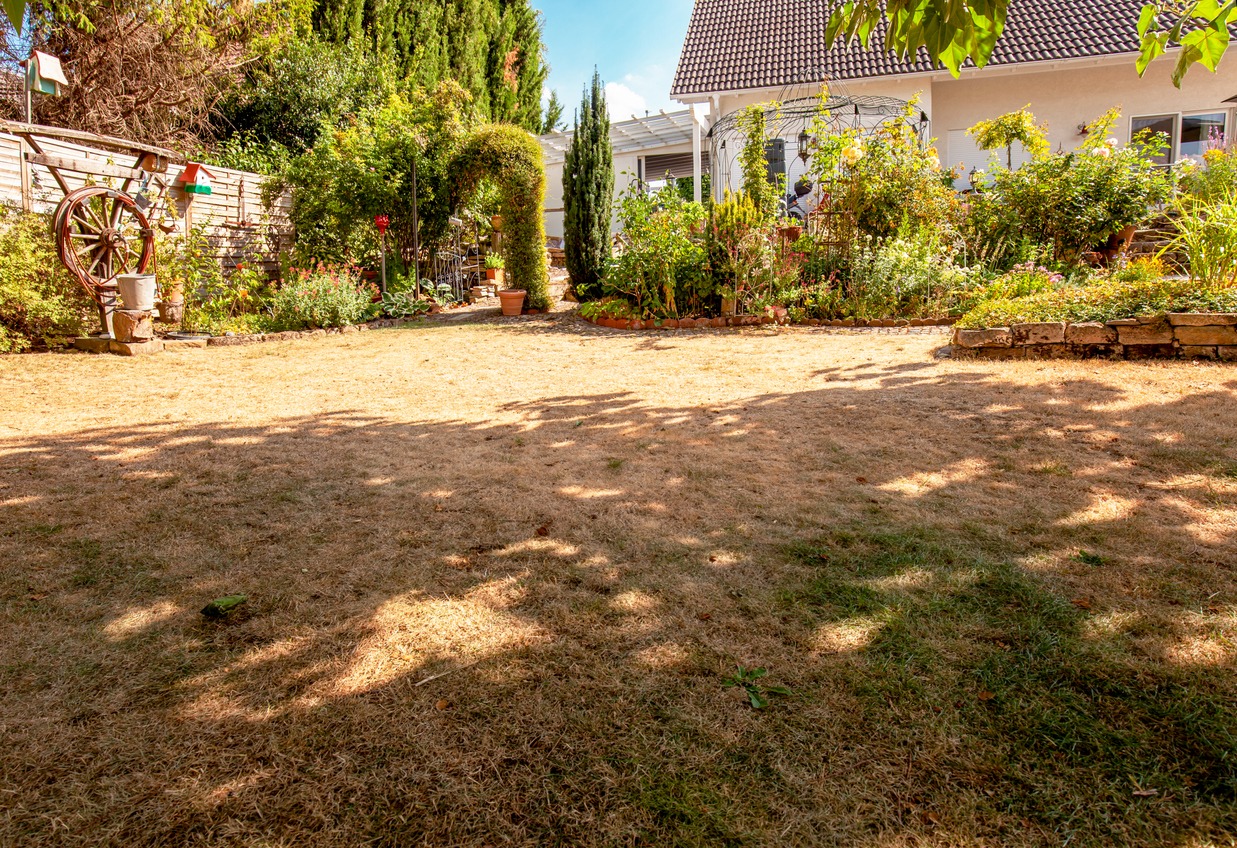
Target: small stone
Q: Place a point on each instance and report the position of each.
(92, 344)
(351, 328)
(687, 323)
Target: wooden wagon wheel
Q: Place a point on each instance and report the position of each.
(101, 232)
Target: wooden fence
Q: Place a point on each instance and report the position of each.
(238, 226)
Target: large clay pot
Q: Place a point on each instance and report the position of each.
(512, 301)
(137, 291)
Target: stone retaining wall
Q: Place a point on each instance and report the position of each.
(1188, 335)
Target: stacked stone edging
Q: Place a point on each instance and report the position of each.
(1177, 335)
(756, 320)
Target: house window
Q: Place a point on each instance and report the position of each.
(1199, 133)
(1163, 125)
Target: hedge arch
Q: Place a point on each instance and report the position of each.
(511, 158)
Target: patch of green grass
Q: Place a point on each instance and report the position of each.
(688, 810)
(1064, 727)
(614, 464)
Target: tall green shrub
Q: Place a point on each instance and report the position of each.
(588, 192)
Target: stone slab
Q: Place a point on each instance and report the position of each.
(1090, 333)
(1047, 351)
(1202, 319)
(998, 337)
(92, 344)
(1206, 335)
(184, 344)
(135, 348)
(1145, 334)
(1040, 333)
(1198, 352)
(1227, 354)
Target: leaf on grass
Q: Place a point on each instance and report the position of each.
(1089, 558)
(758, 701)
(442, 704)
(543, 530)
(931, 818)
(1082, 603)
(220, 607)
(778, 690)
(704, 616)
(1145, 793)
(985, 695)
(861, 479)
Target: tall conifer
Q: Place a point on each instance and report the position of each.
(588, 193)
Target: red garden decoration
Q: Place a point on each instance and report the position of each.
(382, 222)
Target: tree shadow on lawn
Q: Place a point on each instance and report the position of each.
(1005, 613)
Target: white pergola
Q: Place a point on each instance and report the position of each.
(641, 135)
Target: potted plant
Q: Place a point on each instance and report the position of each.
(789, 229)
(512, 300)
(496, 223)
(494, 265)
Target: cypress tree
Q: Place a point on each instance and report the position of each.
(588, 193)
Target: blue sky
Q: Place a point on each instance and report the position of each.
(634, 44)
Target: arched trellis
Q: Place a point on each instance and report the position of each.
(792, 121)
(511, 158)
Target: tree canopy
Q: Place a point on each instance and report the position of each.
(954, 32)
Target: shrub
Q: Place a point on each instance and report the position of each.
(739, 247)
(907, 277)
(662, 266)
(323, 297)
(588, 193)
(1020, 281)
(1075, 201)
(1214, 180)
(40, 303)
(215, 302)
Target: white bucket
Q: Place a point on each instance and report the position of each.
(137, 291)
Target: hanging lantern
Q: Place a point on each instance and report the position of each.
(805, 142)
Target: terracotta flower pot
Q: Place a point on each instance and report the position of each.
(495, 274)
(496, 221)
(512, 301)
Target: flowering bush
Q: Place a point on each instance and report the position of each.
(323, 297)
(883, 181)
(1075, 201)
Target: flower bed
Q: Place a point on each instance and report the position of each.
(1189, 335)
(755, 321)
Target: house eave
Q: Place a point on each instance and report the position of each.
(1039, 66)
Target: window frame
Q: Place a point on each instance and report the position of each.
(1174, 149)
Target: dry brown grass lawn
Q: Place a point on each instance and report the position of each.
(499, 572)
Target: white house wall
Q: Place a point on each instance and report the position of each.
(626, 167)
(1063, 95)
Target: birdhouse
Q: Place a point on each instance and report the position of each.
(44, 74)
(195, 179)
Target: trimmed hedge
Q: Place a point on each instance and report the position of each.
(511, 158)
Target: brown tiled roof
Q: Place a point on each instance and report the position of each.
(733, 45)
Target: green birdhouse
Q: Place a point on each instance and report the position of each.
(195, 179)
(44, 74)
